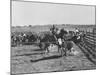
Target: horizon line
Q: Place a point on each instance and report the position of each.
(50, 24)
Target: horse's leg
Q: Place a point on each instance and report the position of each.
(47, 50)
(58, 49)
(66, 52)
(62, 52)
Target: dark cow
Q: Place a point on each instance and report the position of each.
(32, 38)
(46, 40)
(29, 37)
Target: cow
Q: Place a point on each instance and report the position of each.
(66, 47)
(46, 40)
(29, 38)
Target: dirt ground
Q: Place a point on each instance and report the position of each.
(30, 59)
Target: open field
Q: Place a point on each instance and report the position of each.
(43, 28)
(30, 59)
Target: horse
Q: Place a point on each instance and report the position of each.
(46, 40)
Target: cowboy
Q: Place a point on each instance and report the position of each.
(76, 31)
(61, 37)
(53, 30)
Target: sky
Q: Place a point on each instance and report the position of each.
(33, 13)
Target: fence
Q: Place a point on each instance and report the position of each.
(88, 46)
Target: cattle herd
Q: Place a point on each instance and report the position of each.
(44, 39)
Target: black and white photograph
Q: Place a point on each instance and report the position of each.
(52, 37)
